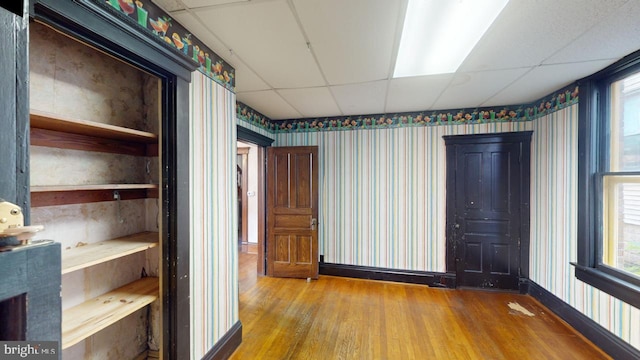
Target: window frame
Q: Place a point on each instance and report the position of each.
(593, 137)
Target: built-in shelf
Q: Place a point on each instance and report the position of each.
(55, 122)
(86, 319)
(87, 255)
(58, 131)
(80, 194)
(66, 188)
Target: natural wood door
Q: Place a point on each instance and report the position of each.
(292, 212)
(485, 199)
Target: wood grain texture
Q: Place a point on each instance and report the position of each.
(80, 194)
(342, 318)
(65, 188)
(86, 319)
(49, 121)
(63, 140)
(292, 212)
(91, 254)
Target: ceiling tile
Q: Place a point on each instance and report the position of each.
(470, 90)
(203, 3)
(169, 5)
(615, 37)
(415, 93)
(192, 24)
(311, 102)
(352, 42)
(346, 35)
(360, 99)
(247, 80)
(269, 103)
(543, 80)
(266, 36)
(528, 32)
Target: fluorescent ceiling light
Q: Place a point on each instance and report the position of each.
(439, 34)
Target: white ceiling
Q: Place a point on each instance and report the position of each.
(319, 58)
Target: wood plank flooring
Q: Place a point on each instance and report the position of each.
(341, 318)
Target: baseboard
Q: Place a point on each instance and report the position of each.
(523, 285)
(601, 337)
(433, 279)
(227, 344)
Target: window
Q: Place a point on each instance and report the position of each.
(609, 180)
(621, 187)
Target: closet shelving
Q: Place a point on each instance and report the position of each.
(95, 314)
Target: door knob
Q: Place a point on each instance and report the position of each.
(457, 226)
(314, 222)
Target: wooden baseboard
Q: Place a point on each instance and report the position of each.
(433, 279)
(223, 349)
(601, 337)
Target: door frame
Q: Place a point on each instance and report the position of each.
(524, 139)
(249, 136)
(244, 198)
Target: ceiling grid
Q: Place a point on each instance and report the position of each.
(321, 58)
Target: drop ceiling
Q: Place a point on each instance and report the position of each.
(321, 58)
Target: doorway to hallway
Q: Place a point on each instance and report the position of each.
(249, 192)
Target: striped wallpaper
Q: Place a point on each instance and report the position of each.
(382, 204)
(214, 254)
(554, 168)
(382, 193)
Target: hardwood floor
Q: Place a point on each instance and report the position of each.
(341, 318)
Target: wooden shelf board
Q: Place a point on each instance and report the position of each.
(50, 121)
(66, 195)
(63, 140)
(91, 254)
(86, 319)
(68, 188)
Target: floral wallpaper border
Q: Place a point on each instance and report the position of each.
(248, 114)
(152, 20)
(551, 103)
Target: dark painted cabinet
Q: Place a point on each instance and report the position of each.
(14, 102)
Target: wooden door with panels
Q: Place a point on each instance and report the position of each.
(488, 209)
(292, 212)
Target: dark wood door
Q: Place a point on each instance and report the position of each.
(486, 199)
(292, 212)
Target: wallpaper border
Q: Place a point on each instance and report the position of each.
(557, 100)
(149, 19)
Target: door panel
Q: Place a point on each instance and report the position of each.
(292, 212)
(500, 168)
(484, 200)
(490, 252)
(284, 222)
(473, 256)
